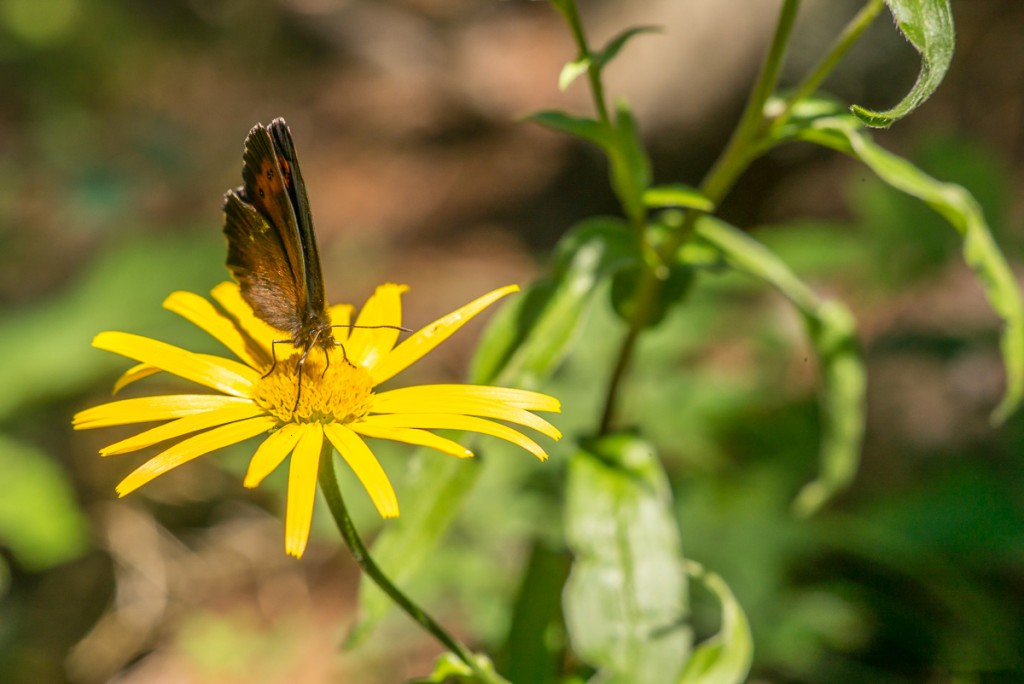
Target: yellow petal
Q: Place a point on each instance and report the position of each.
(133, 374)
(341, 317)
(186, 450)
(419, 343)
(204, 315)
(230, 297)
(302, 488)
(183, 426)
(220, 374)
(271, 453)
(369, 342)
(366, 467)
(428, 421)
(151, 409)
(449, 399)
(517, 398)
(410, 436)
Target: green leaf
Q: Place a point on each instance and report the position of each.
(448, 668)
(962, 211)
(40, 521)
(928, 25)
(531, 334)
(590, 130)
(726, 657)
(522, 346)
(571, 71)
(677, 195)
(832, 331)
(630, 167)
(612, 48)
(626, 594)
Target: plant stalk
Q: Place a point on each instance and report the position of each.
(735, 158)
(329, 485)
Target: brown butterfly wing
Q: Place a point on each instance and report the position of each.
(271, 243)
(258, 260)
(288, 163)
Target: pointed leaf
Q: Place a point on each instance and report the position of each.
(590, 130)
(612, 48)
(571, 71)
(725, 658)
(832, 331)
(531, 334)
(626, 594)
(928, 25)
(962, 211)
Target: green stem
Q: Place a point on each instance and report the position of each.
(851, 33)
(567, 8)
(329, 484)
(733, 161)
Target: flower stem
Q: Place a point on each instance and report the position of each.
(734, 160)
(329, 485)
(568, 10)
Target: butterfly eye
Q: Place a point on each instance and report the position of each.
(270, 174)
(262, 194)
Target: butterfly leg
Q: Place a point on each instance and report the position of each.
(298, 382)
(273, 355)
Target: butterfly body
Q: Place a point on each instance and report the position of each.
(272, 250)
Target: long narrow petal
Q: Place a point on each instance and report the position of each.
(199, 311)
(271, 453)
(450, 422)
(419, 343)
(134, 374)
(302, 488)
(223, 375)
(341, 317)
(369, 342)
(152, 409)
(183, 426)
(410, 436)
(366, 467)
(193, 447)
(518, 398)
(450, 401)
(230, 297)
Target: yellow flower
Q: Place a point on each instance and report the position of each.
(337, 398)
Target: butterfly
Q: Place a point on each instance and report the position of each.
(272, 250)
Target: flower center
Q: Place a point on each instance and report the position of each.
(338, 392)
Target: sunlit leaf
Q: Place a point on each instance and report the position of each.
(832, 331)
(725, 658)
(630, 166)
(928, 25)
(962, 211)
(626, 598)
(533, 332)
(571, 71)
(678, 196)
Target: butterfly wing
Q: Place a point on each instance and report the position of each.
(288, 163)
(272, 249)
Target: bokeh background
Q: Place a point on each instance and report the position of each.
(121, 125)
